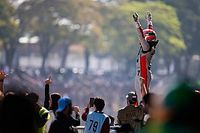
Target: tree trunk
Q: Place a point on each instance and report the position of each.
(45, 48)
(129, 66)
(178, 68)
(44, 57)
(87, 61)
(16, 59)
(9, 58)
(64, 55)
(9, 55)
(187, 60)
(198, 70)
(167, 64)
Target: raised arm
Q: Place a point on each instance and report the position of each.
(138, 26)
(85, 113)
(48, 81)
(149, 20)
(140, 33)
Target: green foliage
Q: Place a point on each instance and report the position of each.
(8, 24)
(165, 22)
(102, 28)
(64, 20)
(188, 13)
(9, 29)
(118, 34)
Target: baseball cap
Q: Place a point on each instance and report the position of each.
(63, 103)
(132, 96)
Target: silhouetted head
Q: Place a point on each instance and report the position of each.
(54, 101)
(183, 107)
(131, 98)
(33, 97)
(99, 104)
(17, 115)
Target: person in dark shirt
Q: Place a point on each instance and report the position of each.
(131, 116)
(64, 121)
(50, 103)
(17, 115)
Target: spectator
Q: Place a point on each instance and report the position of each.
(96, 121)
(42, 114)
(178, 113)
(182, 107)
(53, 106)
(51, 102)
(64, 121)
(54, 101)
(131, 115)
(17, 115)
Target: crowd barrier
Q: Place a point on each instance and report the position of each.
(81, 129)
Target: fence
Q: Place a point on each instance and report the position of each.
(81, 129)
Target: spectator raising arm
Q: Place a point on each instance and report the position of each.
(48, 81)
(85, 113)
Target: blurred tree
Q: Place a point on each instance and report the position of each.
(66, 22)
(188, 14)
(8, 31)
(91, 35)
(119, 26)
(118, 36)
(43, 18)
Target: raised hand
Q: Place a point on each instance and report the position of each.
(148, 16)
(76, 109)
(48, 80)
(135, 17)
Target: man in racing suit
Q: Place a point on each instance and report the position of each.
(147, 42)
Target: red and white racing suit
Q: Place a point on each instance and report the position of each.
(143, 65)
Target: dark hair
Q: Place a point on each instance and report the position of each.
(132, 97)
(33, 97)
(99, 104)
(54, 101)
(17, 115)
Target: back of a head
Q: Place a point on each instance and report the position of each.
(132, 97)
(99, 104)
(54, 101)
(17, 115)
(33, 97)
(184, 105)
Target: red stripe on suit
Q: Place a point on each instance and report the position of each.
(143, 69)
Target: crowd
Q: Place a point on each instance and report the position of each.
(20, 111)
(79, 87)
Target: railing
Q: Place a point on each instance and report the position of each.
(81, 128)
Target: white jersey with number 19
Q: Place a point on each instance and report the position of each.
(95, 122)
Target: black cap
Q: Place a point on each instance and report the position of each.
(131, 96)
